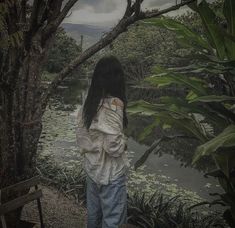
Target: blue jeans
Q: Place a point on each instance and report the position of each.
(106, 204)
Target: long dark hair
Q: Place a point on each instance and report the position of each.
(107, 80)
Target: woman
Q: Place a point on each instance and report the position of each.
(100, 136)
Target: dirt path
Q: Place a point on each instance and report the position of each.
(58, 211)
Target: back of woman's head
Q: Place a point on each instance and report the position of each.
(107, 80)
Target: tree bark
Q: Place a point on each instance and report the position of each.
(20, 117)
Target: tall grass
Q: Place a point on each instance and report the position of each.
(155, 211)
(159, 211)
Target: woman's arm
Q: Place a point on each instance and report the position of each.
(82, 136)
(114, 140)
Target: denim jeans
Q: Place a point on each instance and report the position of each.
(106, 204)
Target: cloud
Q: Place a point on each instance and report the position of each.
(100, 12)
(108, 12)
(99, 6)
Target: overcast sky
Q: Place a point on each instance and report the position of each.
(108, 12)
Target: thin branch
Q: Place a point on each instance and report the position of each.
(138, 7)
(154, 145)
(146, 154)
(128, 9)
(54, 9)
(155, 12)
(69, 14)
(37, 17)
(23, 11)
(66, 9)
(34, 14)
(53, 25)
(103, 42)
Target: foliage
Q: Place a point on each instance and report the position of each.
(144, 210)
(224, 139)
(160, 211)
(204, 112)
(140, 48)
(70, 178)
(63, 51)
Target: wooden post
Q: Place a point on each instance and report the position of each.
(3, 221)
(39, 209)
(21, 200)
(81, 43)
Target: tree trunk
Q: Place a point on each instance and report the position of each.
(21, 123)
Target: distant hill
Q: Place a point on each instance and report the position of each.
(90, 33)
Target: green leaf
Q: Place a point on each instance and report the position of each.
(169, 114)
(225, 160)
(148, 130)
(229, 13)
(186, 124)
(142, 107)
(212, 98)
(224, 139)
(184, 35)
(168, 78)
(213, 31)
(191, 96)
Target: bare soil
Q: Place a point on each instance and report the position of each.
(59, 211)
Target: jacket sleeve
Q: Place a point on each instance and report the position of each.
(82, 136)
(114, 139)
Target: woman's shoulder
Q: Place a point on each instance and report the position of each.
(117, 102)
(114, 103)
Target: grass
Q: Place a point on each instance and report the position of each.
(157, 210)
(163, 212)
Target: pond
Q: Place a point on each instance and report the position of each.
(170, 165)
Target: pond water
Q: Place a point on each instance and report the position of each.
(171, 164)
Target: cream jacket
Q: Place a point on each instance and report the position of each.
(103, 146)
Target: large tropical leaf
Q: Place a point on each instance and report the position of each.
(229, 13)
(185, 35)
(160, 79)
(213, 31)
(225, 139)
(208, 66)
(149, 129)
(142, 107)
(225, 160)
(212, 98)
(169, 114)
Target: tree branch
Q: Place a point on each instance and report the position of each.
(128, 9)
(154, 145)
(23, 11)
(155, 12)
(138, 7)
(106, 40)
(34, 14)
(65, 10)
(53, 25)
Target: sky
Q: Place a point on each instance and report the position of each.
(108, 12)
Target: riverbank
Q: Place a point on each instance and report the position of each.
(59, 162)
(64, 199)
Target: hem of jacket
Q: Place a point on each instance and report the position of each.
(123, 171)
